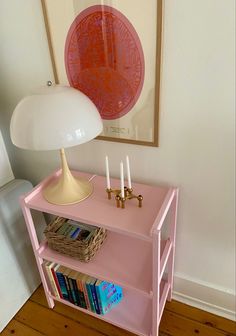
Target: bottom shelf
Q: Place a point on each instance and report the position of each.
(133, 313)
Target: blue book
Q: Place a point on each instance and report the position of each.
(72, 278)
(98, 282)
(72, 288)
(108, 295)
(62, 282)
(75, 233)
(90, 280)
(69, 289)
(94, 295)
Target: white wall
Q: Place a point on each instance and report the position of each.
(197, 118)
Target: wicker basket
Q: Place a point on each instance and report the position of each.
(84, 251)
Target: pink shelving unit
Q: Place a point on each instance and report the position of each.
(138, 253)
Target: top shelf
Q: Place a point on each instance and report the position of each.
(99, 211)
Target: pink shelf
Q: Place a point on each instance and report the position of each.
(118, 254)
(133, 221)
(133, 313)
(133, 255)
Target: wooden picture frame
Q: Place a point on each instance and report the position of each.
(136, 122)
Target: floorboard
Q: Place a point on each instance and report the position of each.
(19, 329)
(201, 316)
(36, 319)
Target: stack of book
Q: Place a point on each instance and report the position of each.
(80, 289)
(76, 231)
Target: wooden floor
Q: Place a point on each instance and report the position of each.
(35, 319)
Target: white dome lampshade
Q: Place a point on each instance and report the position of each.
(57, 117)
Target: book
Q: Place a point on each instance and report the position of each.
(90, 280)
(80, 290)
(61, 230)
(94, 295)
(61, 280)
(83, 280)
(72, 290)
(54, 269)
(76, 230)
(68, 230)
(108, 295)
(69, 289)
(86, 231)
(97, 284)
(75, 291)
(47, 276)
(75, 234)
(47, 267)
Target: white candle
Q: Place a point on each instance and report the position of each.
(108, 174)
(128, 172)
(122, 180)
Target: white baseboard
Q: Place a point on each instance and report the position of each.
(205, 296)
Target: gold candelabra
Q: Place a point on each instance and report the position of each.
(128, 195)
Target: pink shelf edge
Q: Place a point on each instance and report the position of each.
(157, 225)
(27, 197)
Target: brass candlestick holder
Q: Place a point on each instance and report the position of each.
(128, 195)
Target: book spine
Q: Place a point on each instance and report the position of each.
(90, 298)
(72, 291)
(81, 295)
(86, 295)
(62, 284)
(56, 282)
(45, 271)
(95, 299)
(97, 287)
(52, 282)
(68, 289)
(76, 291)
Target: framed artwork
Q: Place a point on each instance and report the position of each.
(110, 50)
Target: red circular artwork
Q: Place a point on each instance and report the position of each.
(104, 59)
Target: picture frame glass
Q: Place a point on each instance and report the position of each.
(110, 50)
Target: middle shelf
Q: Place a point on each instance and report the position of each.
(122, 259)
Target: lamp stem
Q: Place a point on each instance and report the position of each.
(67, 189)
(66, 174)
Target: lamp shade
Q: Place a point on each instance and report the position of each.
(54, 117)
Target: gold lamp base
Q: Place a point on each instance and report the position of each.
(67, 189)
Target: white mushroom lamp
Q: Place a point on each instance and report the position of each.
(57, 117)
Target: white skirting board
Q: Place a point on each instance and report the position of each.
(19, 275)
(205, 296)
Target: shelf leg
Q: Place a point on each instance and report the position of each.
(172, 237)
(35, 245)
(156, 282)
(50, 301)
